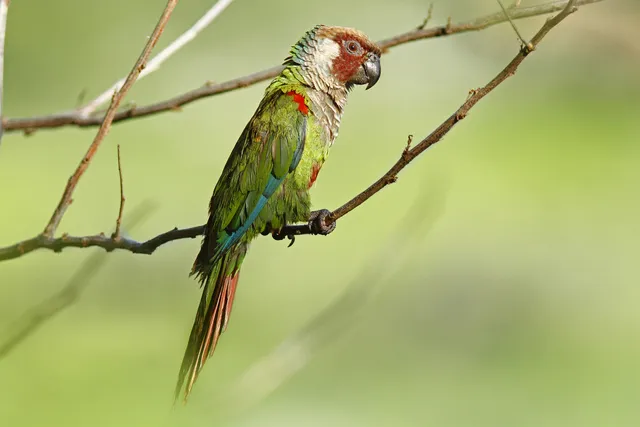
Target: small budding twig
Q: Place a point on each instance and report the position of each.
(116, 233)
(407, 148)
(427, 19)
(525, 44)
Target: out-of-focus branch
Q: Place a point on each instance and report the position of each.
(33, 319)
(74, 118)
(156, 61)
(407, 156)
(4, 10)
(66, 200)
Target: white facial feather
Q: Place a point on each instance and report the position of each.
(324, 52)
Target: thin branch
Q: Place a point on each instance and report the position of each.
(4, 10)
(426, 20)
(101, 240)
(66, 200)
(33, 319)
(30, 124)
(515, 29)
(166, 53)
(116, 233)
(407, 156)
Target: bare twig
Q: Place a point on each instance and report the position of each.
(66, 200)
(513, 25)
(116, 233)
(33, 319)
(30, 124)
(408, 155)
(4, 10)
(427, 19)
(162, 56)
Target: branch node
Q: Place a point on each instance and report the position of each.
(447, 28)
(524, 43)
(406, 153)
(527, 48)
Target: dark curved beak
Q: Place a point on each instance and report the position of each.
(372, 69)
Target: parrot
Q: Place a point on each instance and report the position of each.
(264, 185)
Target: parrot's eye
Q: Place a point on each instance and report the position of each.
(353, 47)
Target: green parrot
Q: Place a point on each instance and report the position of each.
(265, 183)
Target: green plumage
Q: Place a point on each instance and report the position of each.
(271, 163)
(265, 183)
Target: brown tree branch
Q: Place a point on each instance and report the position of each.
(66, 200)
(75, 118)
(57, 244)
(408, 155)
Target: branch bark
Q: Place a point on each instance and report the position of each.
(76, 118)
(66, 200)
(408, 155)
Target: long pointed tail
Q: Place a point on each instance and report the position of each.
(212, 316)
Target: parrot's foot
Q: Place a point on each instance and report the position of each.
(280, 235)
(317, 225)
(318, 222)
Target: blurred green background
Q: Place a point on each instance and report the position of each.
(495, 284)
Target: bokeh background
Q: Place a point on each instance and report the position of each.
(496, 283)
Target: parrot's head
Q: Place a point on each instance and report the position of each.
(336, 57)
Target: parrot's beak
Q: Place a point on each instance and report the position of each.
(372, 69)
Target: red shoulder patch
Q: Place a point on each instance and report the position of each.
(299, 99)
